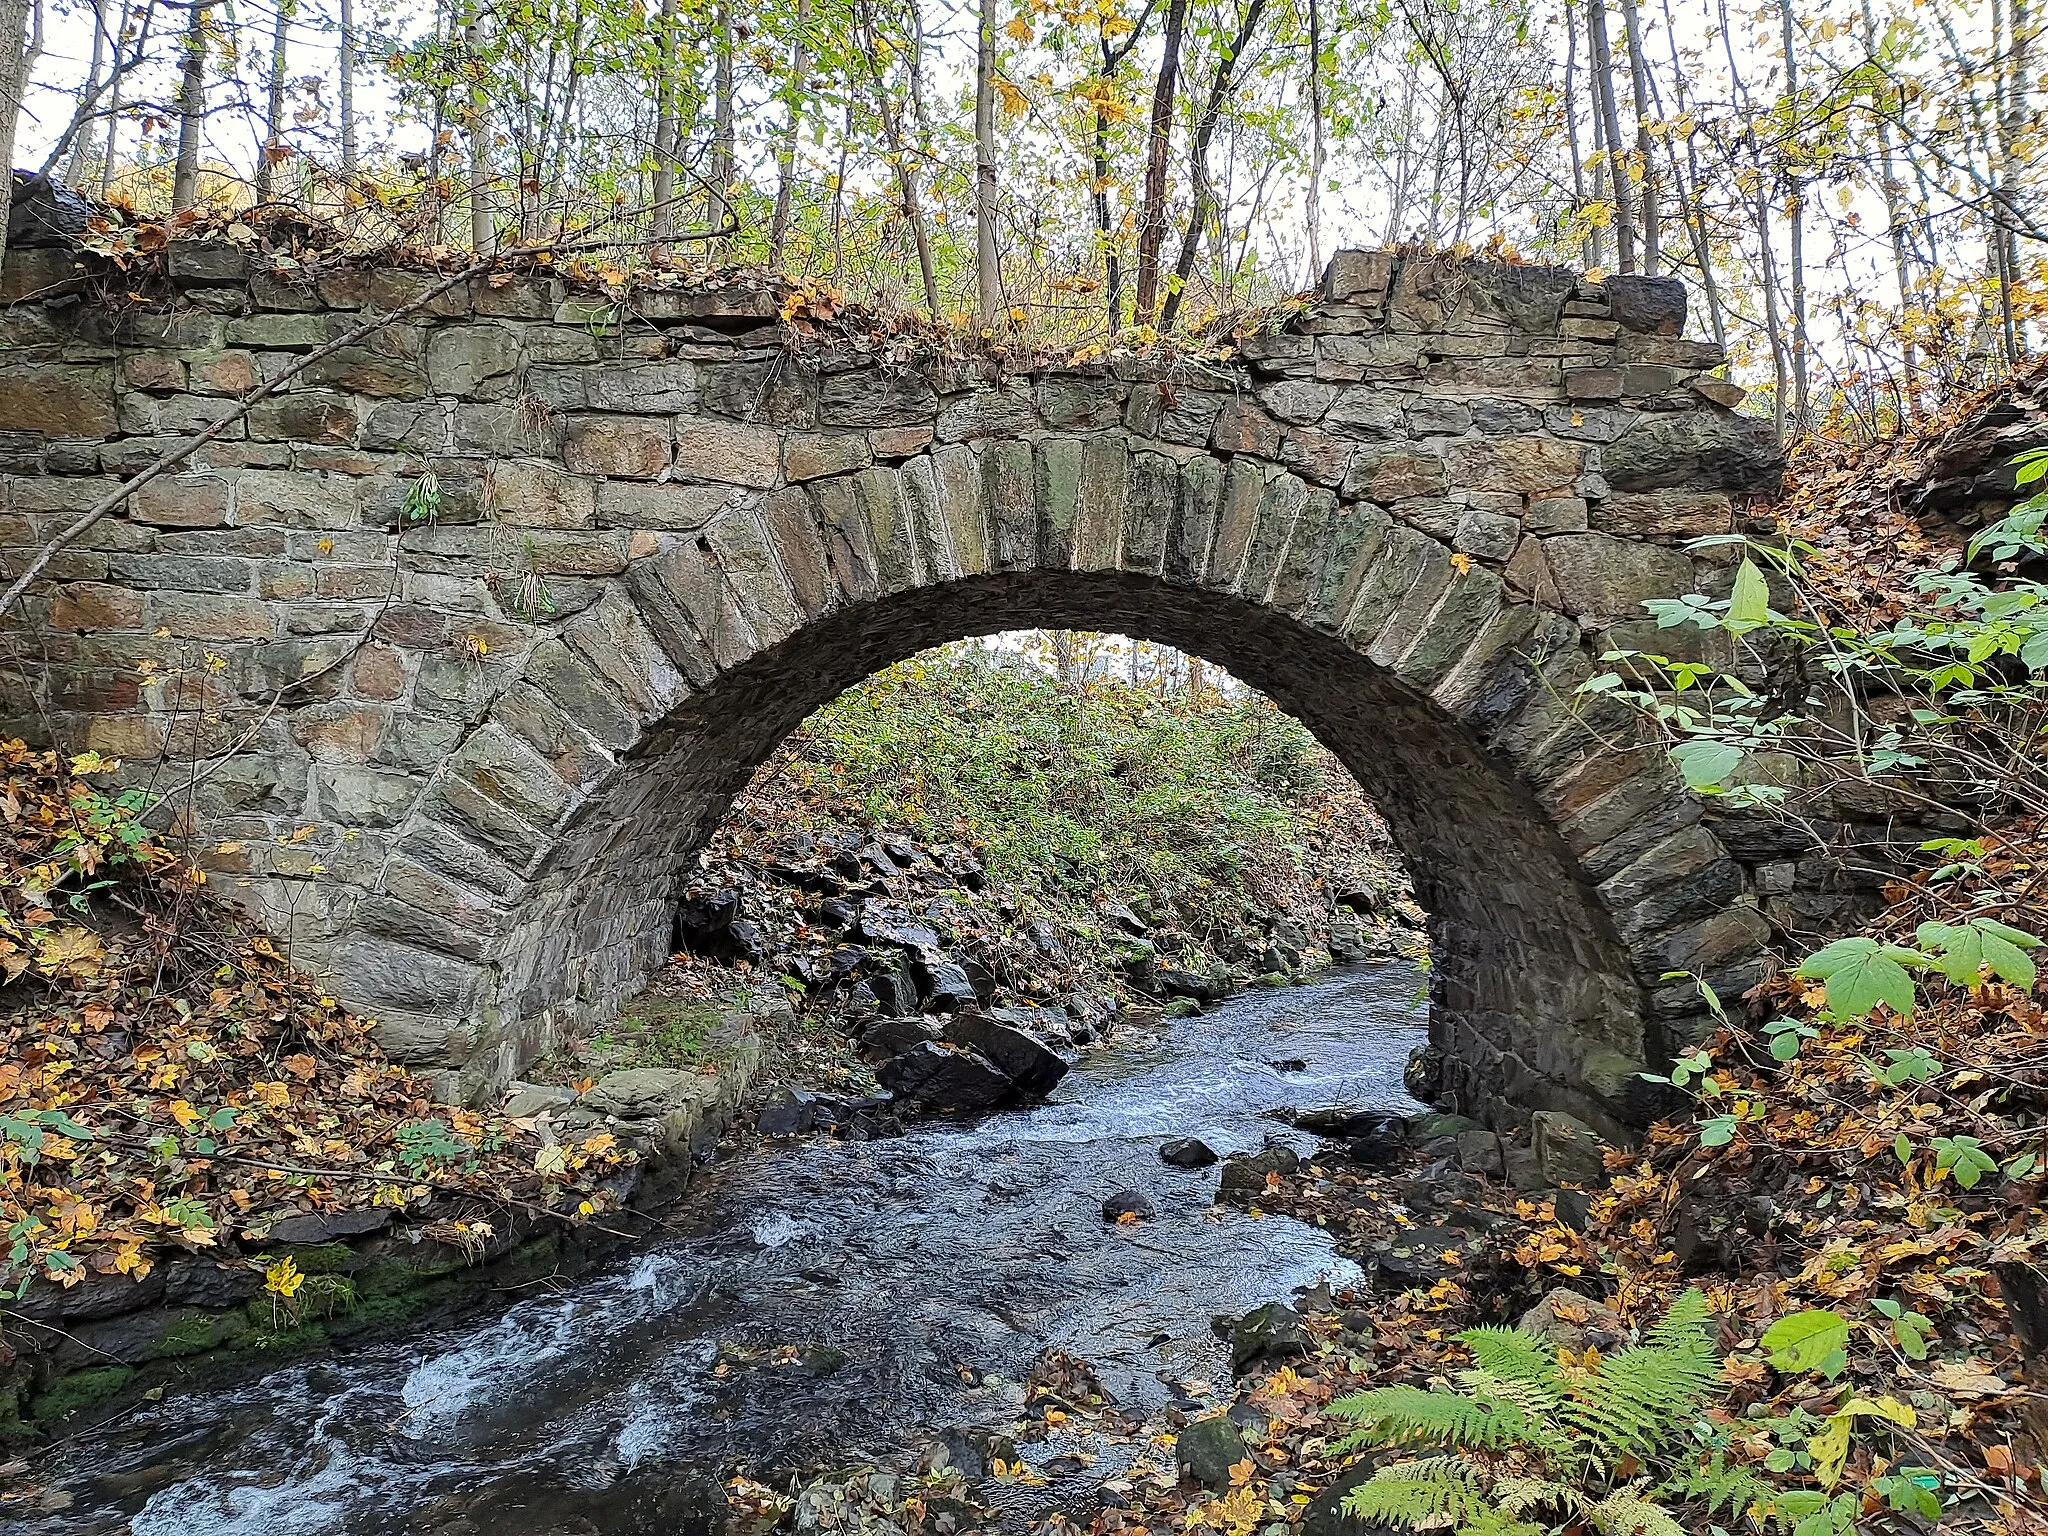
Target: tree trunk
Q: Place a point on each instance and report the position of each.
(1152, 216)
(82, 136)
(724, 164)
(482, 232)
(273, 108)
(15, 60)
(664, 177)
(2012, 129)
(1895, 228)
(1638, 73)
(1795, 210)
(1204, 207)
(191, 110)
(785, 161)
(1610, 122)
(1589, 247)
(988, 283)
(348, 88)
(838, 217)
(1313, 209)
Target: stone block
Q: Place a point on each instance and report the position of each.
(1488, 535)
(57, 400)
(1358, 275)
(365, 371)
(1388, 475)
(1241, 427)
(1004, 412)
(284, 332)
(668, 506)
(728, 453)
(1705, 450)
(1556, 514)
(95, 607)
(1652, 305)
(811, 455)
(1528, 465)
(1298, 400)
(210, 616)
(476, 362)
(201, 263)
(1589, 384)
(1667, 513)
(181, 501)
(311, 416)
(526, 494)
(632, 447)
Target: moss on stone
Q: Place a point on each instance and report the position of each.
(321, 1258)
(69, 1394)
(198, 1333)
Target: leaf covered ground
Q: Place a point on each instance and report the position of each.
(169, 1083)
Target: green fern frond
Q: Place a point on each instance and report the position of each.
(1641, 1399)
(1720, 1485)
(1519, 1495)
(1689, 1324)
(1400, 1415)
(1414, 1492)
(1627, 1513)
(1539, 1402)
(1513, 1355)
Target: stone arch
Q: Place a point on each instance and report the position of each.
(1414, 517)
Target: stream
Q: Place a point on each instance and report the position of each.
(841, 1301)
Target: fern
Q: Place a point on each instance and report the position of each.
(1527, 1434)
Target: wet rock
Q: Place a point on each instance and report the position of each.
(1207, 1449)
(1574, 1208)
(1415, 1256)
(1423, 1076)
(1187, 1152)
(1270, 1332)
(883, 922)
(204, 1283)
(835, 913)
(1325, 1515)
(1571, 1321)
(892, 1037)
(1030, 1064)
(942, 986)
(1341, 1122)
(789, 1111)
(647, 1093)
(1046, 937)
(1479, 1153)
(1171, 982)
(1248, 1170)
(1123, 917)
(746, 941)
(1378, 1148)
(894, 992)
(702, 916)
(1289, 1064)
(1435, 1127)
(1568, 1150)
(299, 1231)
(528, 1099)
(1127, 1202)
(950, 1080)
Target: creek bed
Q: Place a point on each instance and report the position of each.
(836, 1301)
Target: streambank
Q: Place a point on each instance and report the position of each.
(829, 1300)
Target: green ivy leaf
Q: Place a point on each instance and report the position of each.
(1861, 973)
(1963, 1156)
(1717, 1132)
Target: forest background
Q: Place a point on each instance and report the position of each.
(1844, 186)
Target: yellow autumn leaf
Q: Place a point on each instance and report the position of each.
(183, 1112)
(1014, 100)
(283, 1278)
(68, 950)
(1017, 29)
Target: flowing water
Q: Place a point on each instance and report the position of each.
(841, 1300)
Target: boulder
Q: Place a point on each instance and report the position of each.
(1027, 1062)
(1479, 1152)
(1127, 1202)
(1433, 1126)
(790, 1111)
(1207, 1449)
(1248, 1170)
(1378, 1148)
(1423, 1077)
(328, 1227)
(1194, 986)
(1325, 1515)
(1568, 1150)
(883, 922)
(895, 994)
(1187, 1152)
(1270, 1332)
(647, 1093)
(1571, 1321)
(942, 986)
(947, 1079)
(1342, 1121)
(892, 1037)
(527, 1099)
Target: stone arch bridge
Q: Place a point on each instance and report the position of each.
(667, 529)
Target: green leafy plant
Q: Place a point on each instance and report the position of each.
(1535, 1439)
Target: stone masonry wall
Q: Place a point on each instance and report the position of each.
(458, 746)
